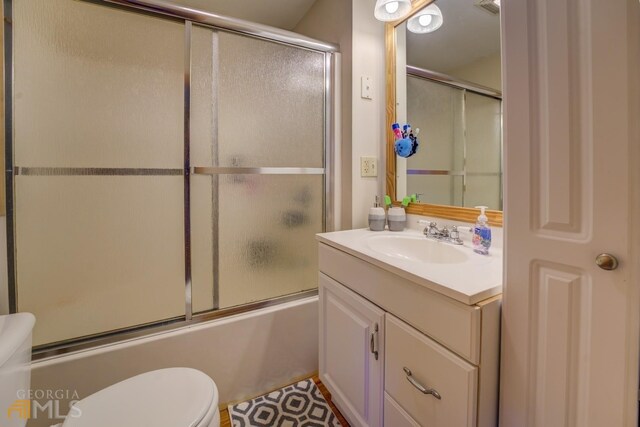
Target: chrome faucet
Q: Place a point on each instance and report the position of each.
(441, 234)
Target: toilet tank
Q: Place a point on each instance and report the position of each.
(15, 369)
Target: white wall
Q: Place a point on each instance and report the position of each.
(485, 71)
(368, 121)
(246, 355)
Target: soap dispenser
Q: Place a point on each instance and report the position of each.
(397, 216)
(377, 217)
(482, 233)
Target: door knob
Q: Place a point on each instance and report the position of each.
(607, 262)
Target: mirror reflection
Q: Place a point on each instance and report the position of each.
(448, 86)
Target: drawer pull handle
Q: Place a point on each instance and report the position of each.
(420, 387)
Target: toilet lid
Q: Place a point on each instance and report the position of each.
(163, 398)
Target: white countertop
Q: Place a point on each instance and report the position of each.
(478, 278)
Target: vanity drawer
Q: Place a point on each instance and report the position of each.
(395, 416)
(432, 366)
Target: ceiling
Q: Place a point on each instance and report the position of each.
(276, 13)
(468, 34)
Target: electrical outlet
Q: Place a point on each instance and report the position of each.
(366, 87)
(368, 166)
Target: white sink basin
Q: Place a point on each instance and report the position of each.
(454, 271)
(417, 249)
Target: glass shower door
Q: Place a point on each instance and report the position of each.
(160, 169)
(98, 142)
(258, 151)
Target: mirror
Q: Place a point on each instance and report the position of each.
(447, 83)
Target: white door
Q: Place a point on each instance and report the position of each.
(351, 352)
(570, 329)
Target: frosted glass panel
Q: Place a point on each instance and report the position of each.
(483, 190)
(484, 133)
(436, 110)
(271, 104)
(458, 190)
(267, 243)
(204, 96)
(96, 86)
(436, 189)
(203, 241)
(98, 253)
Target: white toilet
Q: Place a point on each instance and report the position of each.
(172, 397)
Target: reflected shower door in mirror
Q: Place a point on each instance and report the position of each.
(460, 160)
(447, 84)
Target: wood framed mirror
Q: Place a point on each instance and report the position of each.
(397, 69)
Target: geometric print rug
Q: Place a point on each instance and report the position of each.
(297, 405)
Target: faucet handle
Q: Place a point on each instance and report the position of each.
(454, 236)
(426, 229)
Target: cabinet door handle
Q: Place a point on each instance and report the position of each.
(373, 342)
(420, 387)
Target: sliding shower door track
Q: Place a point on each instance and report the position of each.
(214, 20)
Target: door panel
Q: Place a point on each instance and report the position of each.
(348, 367)
(570, 329)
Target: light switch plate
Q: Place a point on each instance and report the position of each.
(368, 166)
(366, 88)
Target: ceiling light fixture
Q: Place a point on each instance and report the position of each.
(391, 10)
(427, 20)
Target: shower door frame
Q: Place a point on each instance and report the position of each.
(189, 17)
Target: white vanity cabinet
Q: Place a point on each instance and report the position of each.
(434, 360)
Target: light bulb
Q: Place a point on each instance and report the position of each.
(392, 7)
(391, 10)
(425, 20)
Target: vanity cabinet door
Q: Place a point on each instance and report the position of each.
(351, 352)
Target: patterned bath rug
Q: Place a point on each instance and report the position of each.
(297, 405)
